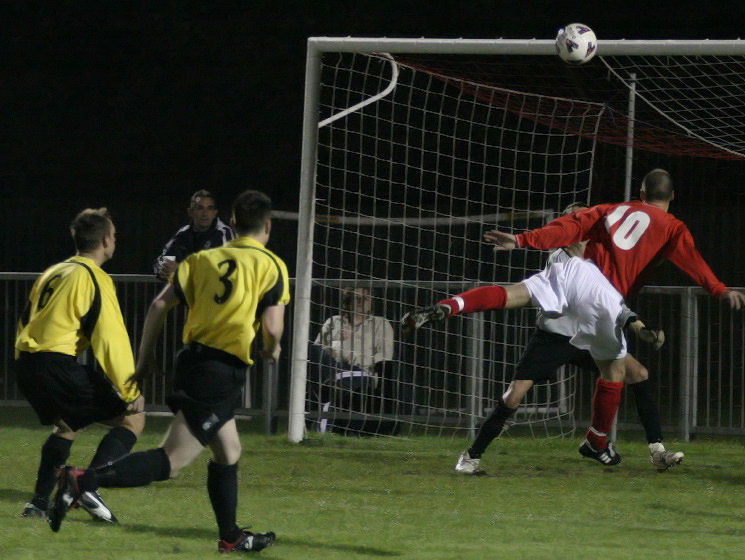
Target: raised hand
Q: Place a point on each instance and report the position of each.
(166, 269)
(735, 299)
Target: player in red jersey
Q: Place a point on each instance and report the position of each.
(624, 241)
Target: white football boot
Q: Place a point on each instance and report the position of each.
(95, 506)
(467, 465)
(663, 459)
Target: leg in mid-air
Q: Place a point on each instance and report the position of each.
(577, 289)
(54, 453)
(117, 443)
(472, 301)
(71, 396)
(178, 450)
(132, 470)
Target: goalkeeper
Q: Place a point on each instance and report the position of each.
(547, 350)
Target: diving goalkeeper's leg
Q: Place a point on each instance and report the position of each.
(468, 461)
(637, 379)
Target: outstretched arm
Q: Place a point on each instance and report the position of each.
(563, 231)
(502, 241)
(682, 252)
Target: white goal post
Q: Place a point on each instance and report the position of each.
(552, 139)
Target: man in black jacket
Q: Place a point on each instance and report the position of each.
(204, 230)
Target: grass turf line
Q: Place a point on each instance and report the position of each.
(346, 498)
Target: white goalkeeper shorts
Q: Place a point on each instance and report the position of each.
(577, 290)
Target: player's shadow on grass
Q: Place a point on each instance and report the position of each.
(15, 495)
(356, 549)
(694, 513)
(181, 532)
(723, 477)
(205, 533)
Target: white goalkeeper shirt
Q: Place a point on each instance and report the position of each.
(577, 289)
(566, 324)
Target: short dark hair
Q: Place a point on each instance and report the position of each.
(89, 228)
(201, 193)
(658, 185)
(250, 210)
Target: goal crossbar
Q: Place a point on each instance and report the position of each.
(606, 47)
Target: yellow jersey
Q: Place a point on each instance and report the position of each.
(73, 306)
(227, 290)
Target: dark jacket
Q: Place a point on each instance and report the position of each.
(187, 241)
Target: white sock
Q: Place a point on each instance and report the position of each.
(655, 447)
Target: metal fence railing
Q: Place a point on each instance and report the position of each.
(135, 292)
(699, 373)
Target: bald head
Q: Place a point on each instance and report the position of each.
(657, 186)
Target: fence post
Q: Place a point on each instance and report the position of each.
(688, 362)
(475, 369)
(270, 396)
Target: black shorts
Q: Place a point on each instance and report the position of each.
(207, 388)
(546, 352)
(57, 386)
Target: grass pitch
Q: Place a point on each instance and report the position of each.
(348, 498)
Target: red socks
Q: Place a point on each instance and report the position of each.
(478, 299)
(605, 403)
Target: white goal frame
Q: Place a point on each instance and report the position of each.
(316, 47)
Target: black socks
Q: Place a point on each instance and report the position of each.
(222, 486)
(491, 428)
(54, 454)
(649, 414)
(116, 443)
(136, 469)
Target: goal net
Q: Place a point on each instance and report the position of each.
(408, 158)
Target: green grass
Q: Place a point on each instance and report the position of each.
(348, 498)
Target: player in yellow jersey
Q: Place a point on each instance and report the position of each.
(72, 306)
(232, 292)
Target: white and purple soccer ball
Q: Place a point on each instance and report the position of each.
(576, 43)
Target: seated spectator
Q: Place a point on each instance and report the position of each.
(204, 230)
(349, 353)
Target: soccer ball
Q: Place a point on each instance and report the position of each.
(576, 43)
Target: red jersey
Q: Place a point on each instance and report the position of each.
(625, 240)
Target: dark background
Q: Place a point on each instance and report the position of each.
(134, 105)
